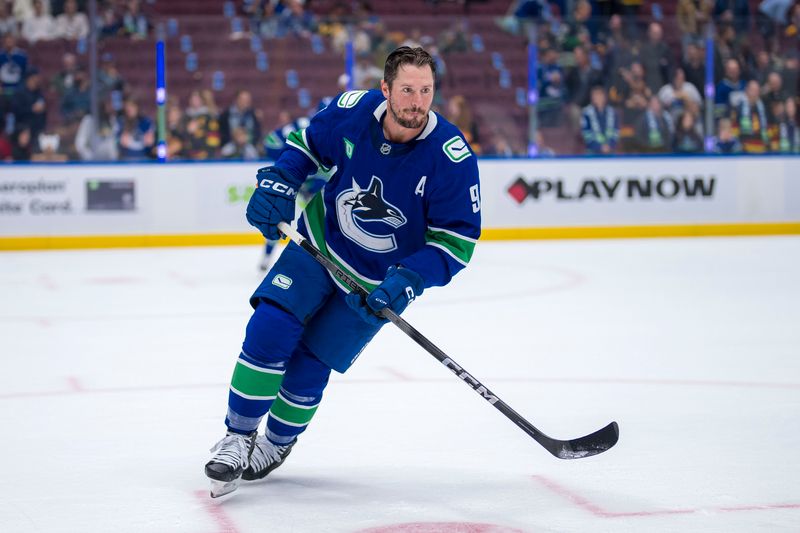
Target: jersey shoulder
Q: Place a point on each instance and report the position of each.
(346, 111)
(353, 103)
(447, 141)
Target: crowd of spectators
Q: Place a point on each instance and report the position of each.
(608, 70)
(620, 78)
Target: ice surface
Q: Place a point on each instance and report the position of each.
(114, 368)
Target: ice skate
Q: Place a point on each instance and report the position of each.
(231, 458)
(265, 458)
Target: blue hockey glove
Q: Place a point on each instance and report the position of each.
(272, 201)
(397, 290)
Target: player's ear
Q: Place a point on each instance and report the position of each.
(385, 88)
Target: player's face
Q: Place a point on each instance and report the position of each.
(410, 97)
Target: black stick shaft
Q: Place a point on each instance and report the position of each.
(593, 444)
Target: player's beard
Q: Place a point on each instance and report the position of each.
(413, 122)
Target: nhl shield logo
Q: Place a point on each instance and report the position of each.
(385, 149)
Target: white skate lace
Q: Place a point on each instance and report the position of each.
(265, 453)
(231, 451)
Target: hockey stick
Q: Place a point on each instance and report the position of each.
(586, 446)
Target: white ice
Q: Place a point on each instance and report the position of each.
(114, 368)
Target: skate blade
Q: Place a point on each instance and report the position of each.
(221, 488)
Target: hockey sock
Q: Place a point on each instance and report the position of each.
(272, 335)
(299, 396)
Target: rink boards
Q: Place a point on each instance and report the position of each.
(122, 205)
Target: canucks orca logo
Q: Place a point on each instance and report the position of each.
(356, 205)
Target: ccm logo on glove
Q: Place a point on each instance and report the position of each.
(273, 201)
(278, 187)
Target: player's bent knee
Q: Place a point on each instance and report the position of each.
(272, 333)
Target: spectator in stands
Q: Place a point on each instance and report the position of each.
(552, 89)
(5, 147)
(13, 66)
(636, 94)
(655, 58)
(65, 78)
(21, 146)
(239, 148)
(772, 91)
(360, 37)
(730, 90)
(654, 131)
(48, 149)
(176, 131)
(688, 139)
(136, 133)
(454, 38)
(196, 106)
(72, 24)
(110, 80)
(24, 9)
(791, 71)
(764, 64)
(110, 23)
(786, 132)
(210, 102)
(677, 96)
(202, 128)
(105, 146)
(694, 66)
(618, 62)
(723, 50)
(366, 74)
(726, 141)
(75, 102)
(630, 17)
(8, 22)
(500, 146)
(334, 25)
(578, 32)
(240, 114)
(691, 16)
(134, 23)
(293, 19)
(580, 79)
(459, 113)
(40, 26)
(599, 124)
(735, 12)
(750, 120)
(29, 106)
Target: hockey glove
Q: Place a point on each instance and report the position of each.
(397, 290)
(272, 201)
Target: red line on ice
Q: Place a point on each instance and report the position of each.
(598, 511)
(217, 512)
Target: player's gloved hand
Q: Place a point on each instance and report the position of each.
(397, 290)
(272, 201)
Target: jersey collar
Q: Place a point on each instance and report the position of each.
(429, 127)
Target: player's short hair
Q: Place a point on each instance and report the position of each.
(405, 55)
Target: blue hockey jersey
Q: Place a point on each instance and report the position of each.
(416, 204)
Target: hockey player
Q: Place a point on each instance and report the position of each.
(400, 213)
